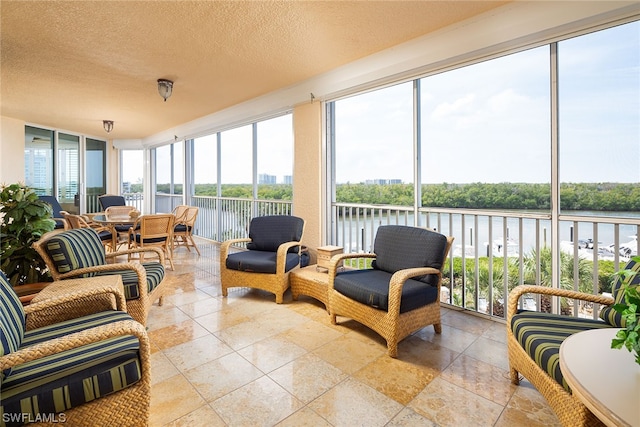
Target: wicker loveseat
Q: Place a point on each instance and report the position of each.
(534, 339)
(93, 370)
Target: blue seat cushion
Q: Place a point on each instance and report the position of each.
(371, 287)
(398, 247)
(541, 334)
(259, 261)
(155, 274)
(138, 239)
(71, 378)
(181, 228)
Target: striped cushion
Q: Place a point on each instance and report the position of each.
(155, 274)
(12, 321)
(78, 248)
(541, 334)
(62, 381)
(608, 314)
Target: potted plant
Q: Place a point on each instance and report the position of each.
(629, 336)
(25, 218)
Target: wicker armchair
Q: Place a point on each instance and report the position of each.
(534, 339)
(79, 253)
(57, 211)
(400, 294)
(78, 358)
(274, 250)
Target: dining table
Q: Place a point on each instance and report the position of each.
(112, 221)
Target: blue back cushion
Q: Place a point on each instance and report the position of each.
(78, 248)
(12, 320)
(398, 247)
(608, 314)
(269, 232)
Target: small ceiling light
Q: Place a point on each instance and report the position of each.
(108, 125)
(164, 88)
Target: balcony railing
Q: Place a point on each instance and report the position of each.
(591, 248)
(493, 251)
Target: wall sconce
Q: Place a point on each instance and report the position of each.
(108, 125)
(165, 87)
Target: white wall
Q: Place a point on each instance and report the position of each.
(11, 150)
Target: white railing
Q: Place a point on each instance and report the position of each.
(479, 279)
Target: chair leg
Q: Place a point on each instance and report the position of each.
(515, 377)
(437, 327)
(392, 349)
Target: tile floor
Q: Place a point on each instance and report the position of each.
(246, 361)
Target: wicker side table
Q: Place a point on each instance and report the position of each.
(311, 282)
(72, 298)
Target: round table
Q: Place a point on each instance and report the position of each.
(606, 380)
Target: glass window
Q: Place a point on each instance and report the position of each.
(275, 158)
(38, 160)
(95, 173)
(237, 162)
(374, 146)
(599, 122)
(488, 123)
(205, 165)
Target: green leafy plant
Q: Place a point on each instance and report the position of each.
(25, 218)
(629, 336)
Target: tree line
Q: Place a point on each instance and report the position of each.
(573, 196)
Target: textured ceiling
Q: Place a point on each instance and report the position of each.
(70, 64)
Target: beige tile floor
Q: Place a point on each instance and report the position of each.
(245, 361)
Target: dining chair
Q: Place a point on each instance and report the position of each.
(183, 228)
(106, 234)
(107, 200)
(153, 230)
(122, 230)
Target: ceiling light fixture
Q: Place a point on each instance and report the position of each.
(108, 125)
(165, 87)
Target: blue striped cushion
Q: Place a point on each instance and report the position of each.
(155, 274)
(608, 314)
(12, 321)
(541, 334)
(78, 248)
(62, 381)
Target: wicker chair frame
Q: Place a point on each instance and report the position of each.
(391, 325)
(276, 283)
(569, 409)
(137, 308)
(156, 226)
(128, 407)
(185, 215)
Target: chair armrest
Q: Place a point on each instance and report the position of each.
(78, 339)
(518, 291)
(281, 255)
(397, 282)
(338, 258)
(226, 245)
(47, 312)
